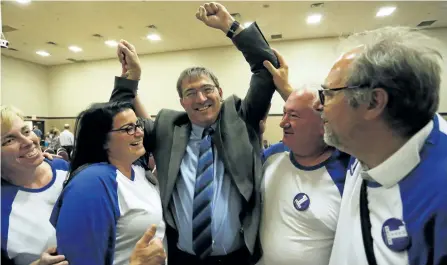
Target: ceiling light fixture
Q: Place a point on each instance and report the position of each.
(314, 19)
(385, 11)
(43, 53)
(23, 2)
(111, 43)
(75, 48)
(153, 34)
(153, 37)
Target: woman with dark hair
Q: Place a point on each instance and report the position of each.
(108, 202)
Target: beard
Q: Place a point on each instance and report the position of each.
(331, 139)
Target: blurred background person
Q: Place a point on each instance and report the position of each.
(67, 139)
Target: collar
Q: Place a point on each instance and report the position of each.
(197, 131)
(399, 164)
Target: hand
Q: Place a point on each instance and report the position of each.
(49, 257)
(50, 156)
(216, 16)
(131, 68)
(148, 250)
(280, 75)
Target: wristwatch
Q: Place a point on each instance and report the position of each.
(233, 29)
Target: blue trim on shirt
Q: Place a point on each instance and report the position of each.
(424, 202)
(373, 184)
(337, 167)
(86, 224)
(8, 195)
(273, 149)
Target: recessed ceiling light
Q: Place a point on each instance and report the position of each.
(385, 11)
(111, 43)
(153, 37)
(43, 53)
(23, 1)
(75, 49)
(247, 24)
(314, 19)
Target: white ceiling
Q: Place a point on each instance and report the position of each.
(74, 22)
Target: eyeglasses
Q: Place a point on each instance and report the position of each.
(131, 128)
(326, 89)
(205, 90)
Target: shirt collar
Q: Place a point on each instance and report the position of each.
(402, 162)
(197, 131)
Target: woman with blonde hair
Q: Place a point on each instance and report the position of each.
(30, 186)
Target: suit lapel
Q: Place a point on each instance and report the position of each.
(179, 143)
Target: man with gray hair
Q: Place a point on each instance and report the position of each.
(302, 188)
(379, 105)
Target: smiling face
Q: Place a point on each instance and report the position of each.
(125, 143)
(301, 123)
(20, 147)
(201, 100)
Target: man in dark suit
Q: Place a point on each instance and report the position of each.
(208, 157)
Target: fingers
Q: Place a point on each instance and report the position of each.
(282, 62)
(51, 250)
(269, 67)
(120, 54)
(157, 246)
(147, 237)
(214, 8)
(202, 13)
(48, 258)
(128, 45)
(209, 9)
(126, 51)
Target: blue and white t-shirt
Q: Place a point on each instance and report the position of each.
(104, 213)
(300, 209)
(26, 229)
(407, 201)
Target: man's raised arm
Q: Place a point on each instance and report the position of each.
(126, 86)
(255, 49)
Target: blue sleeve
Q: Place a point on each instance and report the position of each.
(273, 149)
(59, 164)
(8, 194)
(86, 225)
(440, 234)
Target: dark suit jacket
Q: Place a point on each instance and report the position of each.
(236, 136)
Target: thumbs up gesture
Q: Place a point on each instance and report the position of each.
(148, 250)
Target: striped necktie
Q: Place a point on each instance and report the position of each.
(203, 196)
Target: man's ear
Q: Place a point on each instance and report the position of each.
(220, 93)
(378, 103)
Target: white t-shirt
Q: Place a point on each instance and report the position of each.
(104, 214)
(300, 209)
(26, 229)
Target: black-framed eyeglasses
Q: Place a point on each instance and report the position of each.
(326, 89)
(205, 90)
(130, 129)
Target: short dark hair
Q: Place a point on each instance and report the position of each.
(194, 73)
(91, 133)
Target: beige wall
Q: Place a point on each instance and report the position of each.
(24, 85)
(73, 87)
(65, 90)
